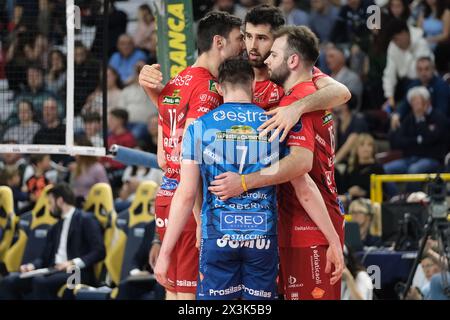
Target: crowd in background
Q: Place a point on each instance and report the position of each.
(396, 122)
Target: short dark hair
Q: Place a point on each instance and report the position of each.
(215, 23)
(64, 191)
(300, 40)
(426, 58)
(36, 158)
(265, 14)
(397, 26)
(236, 71)
(92, 117)
(121, 114)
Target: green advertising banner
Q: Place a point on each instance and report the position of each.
(176, 45)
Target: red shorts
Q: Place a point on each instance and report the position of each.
(183, 268)
(303, 274)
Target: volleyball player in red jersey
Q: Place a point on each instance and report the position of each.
(307, 252)
(187, 96)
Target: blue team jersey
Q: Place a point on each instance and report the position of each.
(226, 139)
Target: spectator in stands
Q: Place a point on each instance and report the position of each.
(119, 134)
(336, 62)
(355, 181)
(126, 58)
(293, 15)
(363, 212)
(422, 137)
(142, 290)
(356, 282)
(35, 92)
(134, 100)
(144, 28)
(230, 6)
(94, 102)
(438, 88)
(132, 177)
(152, 58)
(350, 27)
(55, 79)
(399, 9)
(13, 160)
(86, 171)
(406, 47)
(11, 177)
(53, 131)
(349, 125)
(435, 21)
(87, 75)
(75, 241)
(430, 268)
(24, 132)
(322, 19)
(152, 134)
(93, 129)
(26, 11)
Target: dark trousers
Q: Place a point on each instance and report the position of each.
(13, 287)
(140, 291)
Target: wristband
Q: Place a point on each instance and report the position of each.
(244, 185)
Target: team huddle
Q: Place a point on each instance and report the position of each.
(248, 206)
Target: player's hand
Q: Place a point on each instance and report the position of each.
(26, 267)
(160, 270)
(283, 119)
(335, 257)
(153, 254)
(395, 121)
(226, 185)
(151, 77)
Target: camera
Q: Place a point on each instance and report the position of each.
(437, 192)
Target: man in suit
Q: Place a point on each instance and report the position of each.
(73, 243)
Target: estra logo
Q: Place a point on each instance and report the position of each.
(243, 117)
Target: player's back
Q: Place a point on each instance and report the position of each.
(227, 140)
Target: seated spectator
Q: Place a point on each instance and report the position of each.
(399, 9)
(142, 290)
(135, 101)
(93, 129)
(119, 134)
(35, 93)
(323, 17)
(430, 268)
(11, 177)
(131, 179)
(126, 58)
(355, 181)
(53, 131)
(87, 75)
(86, 171)
(230, 6)
(94, 102)
(422, 137)
(55, 79)
(293, 15)
(13, 160)
(151, 139)
(348, 127)
(351, 27)
(75, 241)
(435, 22)
(24, 132)
(336, 60)
(406, 47)
(356, 282)
(36, 177)
(144, 28)
(362, 212)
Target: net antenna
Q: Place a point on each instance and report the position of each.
(73, 119)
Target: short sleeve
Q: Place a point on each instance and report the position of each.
(317, 74)
(204, 98)
(191, 149)
(302, 134)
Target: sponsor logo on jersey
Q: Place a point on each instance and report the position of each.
(212, 86)
(327, 118)
(251, 221)
(238, 241)
(318, 293)
(169, 184)
(292, 282)
(320, 140)
(243, 117)
(274, 96)
(172, 100)
(240, 133)
(316, 266)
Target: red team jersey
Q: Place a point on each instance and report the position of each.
(190, 94)
(314, 132)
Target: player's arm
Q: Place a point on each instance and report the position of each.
(311, 200)
(297, 163)
(150, 79)
(331, 93)
(180, 211)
